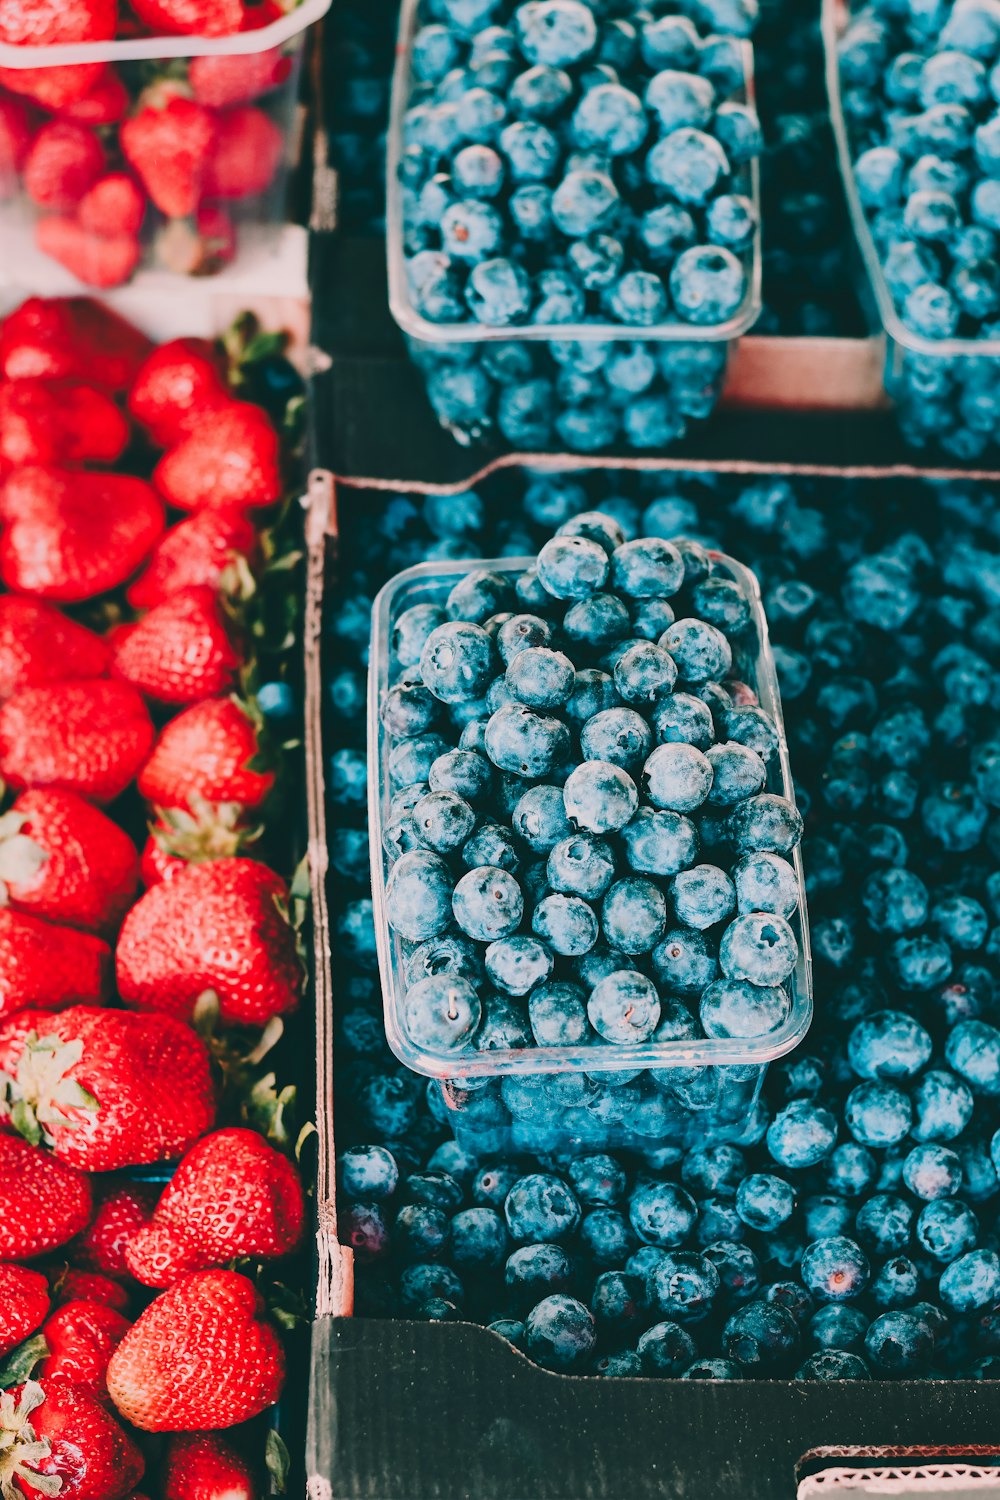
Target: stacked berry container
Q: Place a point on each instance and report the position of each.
(544, 1027)
(914, 98)
(573, 225)
(120, 149)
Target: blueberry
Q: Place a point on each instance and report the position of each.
(833, 1364)
(737, 772)
(760, 1336)
(767, 823)
(418, 896)
(662, 1214)
(540, 1207)
(665, 1349)
(707, 284)
(932, 1171)
(878, 1114)
(765, 883)
(581, 865)
(899, 1343)
(681, 718)
(605, 1237)
(973, 1052)
(516, 964)
(618, 1305)
(617, 735)
(838, 1326)
(764, 1201)
(624, 1008)
(835, 1269)
(442, 821)
(737, 1008)
(456, 662)
(677, 776)
(972, 1282)
(680, 99)
(487, 903)
(647, 568)
(685, 961)
(368, 1172)
(644, 673)
(702, 896)
(441, 1014)
(600, 797)
(759, 947)
(660, 842)
(366, 1231)
(539, 818)
(801, 1135)
(585, 203)
(947, 1229)
(943, 1107)
(541, 678)
(556, 32)
(491, 844)
(683, 1287)
(572, 567)
(689, 164)
(634, 915)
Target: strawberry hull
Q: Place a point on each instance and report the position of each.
(169, 150)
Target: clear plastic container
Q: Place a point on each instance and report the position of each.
(937, 385)
(117, 111)
(645, 1096)
(472, 369)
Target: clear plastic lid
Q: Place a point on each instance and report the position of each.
(835, 19)
(417, 326)
(139, 48)
(430, 583)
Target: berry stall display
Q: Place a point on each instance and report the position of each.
(160, 134)
(151, 1204)
(915, 93)
(595, 906)
(850, 1233)
(573, 230)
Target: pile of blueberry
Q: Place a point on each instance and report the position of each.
(561, 168)
(582, 849)
(852, 1230)
(360, 38)
(921, 96)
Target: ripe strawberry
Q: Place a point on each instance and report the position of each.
(221, 82)
(203, 1466)
(200, 1356)
(62, 859)
(168, 142)
(90, 1084)
(82, 1336)
(105, 102)
(58, 421)
(71, 337)
(70, 536)
(39, 645)
(201, 246)
(49, 966)
(198, 550)
(204, 753)
(71, 1285)
(85, 737)
(43, 1202)
(232, 460)
(191, 17)
(64, 160)
(15, 142)
(177, 838)
(217, 926)
(246, 156)
(58, 1439)
(48, 22)
(180, 652)
(114, 205)
(96, 260)
(122, 1209)
(24, 1304)
(176, 387)
(232, 1195)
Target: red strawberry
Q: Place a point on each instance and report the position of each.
(47, 22)
(40, 645)
(216, 926)
(203, 1466)
(86, 737)
(96, 260)
(191, 17)
(176, 387)
(43, 1202)
(177, 838)
(49, 966)
(82, 1336)
(62, 859)
(114, 205)
(70, 536)
(58, 421)
(221, 82)
(92, 1085)
(73, 337)
(232, 1195)
(232, 460)
(24, 1304)
(195, 551)
(246, 156)
(180, 652)
(105, 102)
(169, 142)
(200, 1356)
(61, 1436)
(121, 1211)
(15, 141)
(64, 160)
(201, 246)
(204, 754)
(71, 1285)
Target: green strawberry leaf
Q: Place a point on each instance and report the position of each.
(300, 888)
(25, 1122)
(277, 1462)
(286, 1306)
(308, 1130)
(20, 1363)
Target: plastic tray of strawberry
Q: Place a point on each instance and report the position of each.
(849, 1233)
(152, 1206)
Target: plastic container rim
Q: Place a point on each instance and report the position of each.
(834, 16)
(137, 49)
(412, 323)
(697, 1052)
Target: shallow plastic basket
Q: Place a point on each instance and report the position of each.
(688, 1090)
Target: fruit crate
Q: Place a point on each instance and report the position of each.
(379, 1385)
(166, 152)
